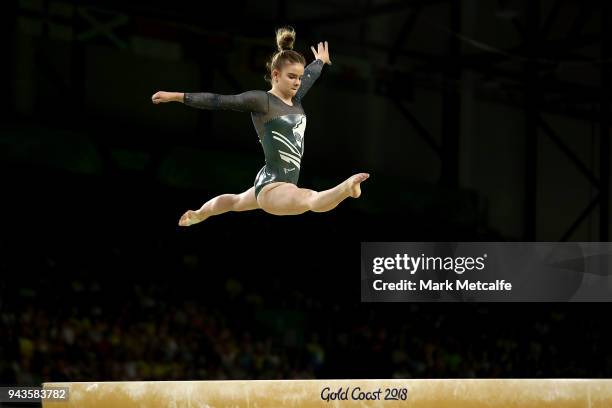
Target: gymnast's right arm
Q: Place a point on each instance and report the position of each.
(250, 101)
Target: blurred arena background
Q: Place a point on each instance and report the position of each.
(478, 120)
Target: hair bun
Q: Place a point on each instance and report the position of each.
(285, 37)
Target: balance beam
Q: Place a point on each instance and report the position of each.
(458, 393)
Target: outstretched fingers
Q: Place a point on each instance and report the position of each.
(322, 52)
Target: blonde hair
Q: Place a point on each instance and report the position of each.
(285, 38)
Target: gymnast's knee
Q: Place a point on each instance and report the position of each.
(229, 200)
(313, 200)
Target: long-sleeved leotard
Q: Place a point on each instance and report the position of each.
(280, 126)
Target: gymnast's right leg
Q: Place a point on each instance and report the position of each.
(221, 204)
(288, 199)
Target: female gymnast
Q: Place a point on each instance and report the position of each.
(280, 123)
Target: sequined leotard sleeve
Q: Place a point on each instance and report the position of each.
(251, 101)
(311, 74)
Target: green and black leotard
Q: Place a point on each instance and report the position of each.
(280, 126)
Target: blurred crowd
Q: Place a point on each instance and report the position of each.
(92, 329)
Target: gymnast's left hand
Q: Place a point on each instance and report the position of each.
(322, 52)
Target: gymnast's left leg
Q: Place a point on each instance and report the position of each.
(282, 198)
(221, 204)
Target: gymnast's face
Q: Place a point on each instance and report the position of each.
(289, 78)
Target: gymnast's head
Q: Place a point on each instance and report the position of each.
(286, 67)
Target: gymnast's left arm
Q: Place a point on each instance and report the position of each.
(313, 70)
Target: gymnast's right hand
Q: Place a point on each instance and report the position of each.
(162, 96)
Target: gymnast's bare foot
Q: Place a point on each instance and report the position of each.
(190, 218)
(353, 184)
